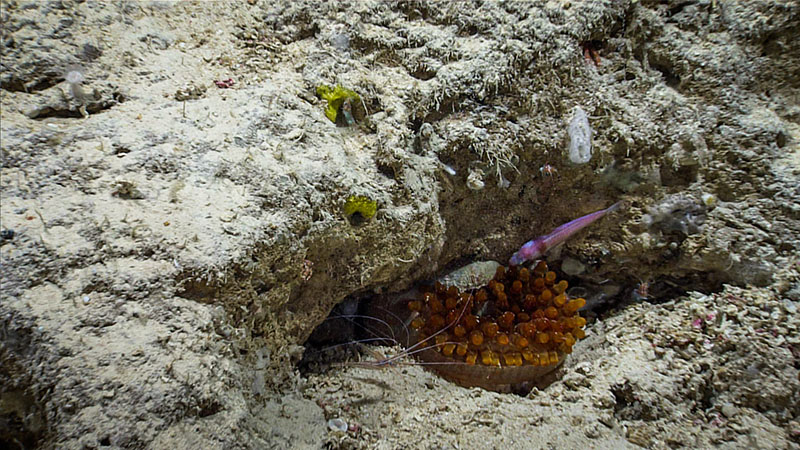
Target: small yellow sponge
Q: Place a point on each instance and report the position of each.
(361, 205)
(336, 97)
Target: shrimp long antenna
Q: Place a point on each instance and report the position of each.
(350, 318)
(413, 349)
(392, 359)
(399, 320)
(360, 341)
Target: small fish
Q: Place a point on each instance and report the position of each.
(347, 112)
(535, 248)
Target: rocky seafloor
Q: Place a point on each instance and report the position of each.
(179, 215)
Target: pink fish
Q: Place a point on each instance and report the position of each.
(535, 248)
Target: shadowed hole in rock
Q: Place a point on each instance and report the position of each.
(423, 74)
(209, 408)
(197, 290)
(671, 79)
(22, 424)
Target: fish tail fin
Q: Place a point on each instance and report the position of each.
(614, 207)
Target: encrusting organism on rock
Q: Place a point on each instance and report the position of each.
(361, 206)
(74, 77)
(580, 137)
(677, 214)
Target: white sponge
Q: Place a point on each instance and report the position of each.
(580, 137)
